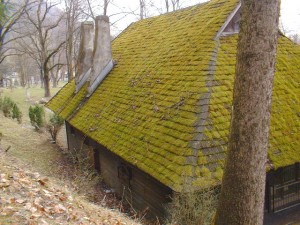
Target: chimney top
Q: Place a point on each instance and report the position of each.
(87, 23)
(103, 17)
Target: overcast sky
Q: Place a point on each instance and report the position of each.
(290, 13)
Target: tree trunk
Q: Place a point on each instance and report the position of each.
(167, 5)
(175, 4)
(46, 83)
(23, 71)
(2, 27)
(54, 79)
(243, 187)
(105, 6)
(22, 77)
(42, 78)
(28, 81)
(70, 39)
(70, 58)
(142, 8)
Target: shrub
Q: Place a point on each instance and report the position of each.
(10, 109)
(16, 113)
(54, 125)
(193, 208)
(37, 116)
(7, 106)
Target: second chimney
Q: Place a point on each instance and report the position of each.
(102, 55)
(85, 54)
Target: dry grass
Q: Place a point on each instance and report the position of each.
(193, 207)
(33, 151)
(32, 148)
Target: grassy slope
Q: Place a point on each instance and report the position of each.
(20, 97)
(32, 147)
(33, 151)
(29, 146)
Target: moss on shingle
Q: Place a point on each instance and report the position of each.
(74, 102)
(284, 144)
(60, 100)
(166, 109)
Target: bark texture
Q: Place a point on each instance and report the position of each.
(243, 187)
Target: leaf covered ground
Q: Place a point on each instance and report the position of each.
(38, 185)
(29, 198)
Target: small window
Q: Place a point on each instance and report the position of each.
(124, 174)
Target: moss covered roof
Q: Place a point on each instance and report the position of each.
(166, 105)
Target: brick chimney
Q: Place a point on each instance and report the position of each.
(102, 55)
(85, 54)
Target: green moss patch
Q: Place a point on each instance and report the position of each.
(166, 105)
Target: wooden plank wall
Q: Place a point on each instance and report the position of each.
(141, 190)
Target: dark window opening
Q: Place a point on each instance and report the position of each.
(125, 174)
(97, 159)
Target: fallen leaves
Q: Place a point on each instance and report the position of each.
(29, 198)
(35, 200)
(3, 181)
(43, 182)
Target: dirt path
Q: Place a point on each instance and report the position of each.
(49, 196)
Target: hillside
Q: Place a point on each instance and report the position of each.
(34, 183)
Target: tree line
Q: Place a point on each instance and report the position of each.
(39, 39)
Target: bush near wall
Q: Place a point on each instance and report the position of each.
(37, 116)
(54, 125)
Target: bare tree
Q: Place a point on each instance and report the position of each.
(56, 63)
(175, 4)
(25, 47)
(22, 70)
(142, 9)
(90, 10)
(6, 69)
(243, 187)
(11, 12)
(103, 6)
(25, 67)
(167, 5)
(45, 43)
(74, 13)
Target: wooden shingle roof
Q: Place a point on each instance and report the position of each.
(166, 106)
